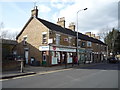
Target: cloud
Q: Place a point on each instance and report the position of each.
(44, 9)
(100, 13)
(59, 4)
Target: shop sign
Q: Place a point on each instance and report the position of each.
(81, 50)
(44, 48)
(54, 48)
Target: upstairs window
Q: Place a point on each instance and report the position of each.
(89, 44)
(44, 37)
(57, 39)
(25, 40)
(79, 42)
(83, 44)
(70, 40)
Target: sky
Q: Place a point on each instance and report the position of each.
(100, 13)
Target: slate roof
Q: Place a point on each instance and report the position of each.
(58, 28)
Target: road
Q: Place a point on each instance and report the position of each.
(98, 76)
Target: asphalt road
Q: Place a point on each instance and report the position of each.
(99, 76)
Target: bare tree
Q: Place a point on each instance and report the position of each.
(103, 32)
(12, 36)
(4, 34)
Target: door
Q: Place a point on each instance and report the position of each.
(26, 56)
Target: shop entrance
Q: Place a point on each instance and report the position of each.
(44, 58)
(64, 57)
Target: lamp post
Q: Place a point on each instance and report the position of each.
(77, 28)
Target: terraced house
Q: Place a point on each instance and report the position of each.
(53, 44)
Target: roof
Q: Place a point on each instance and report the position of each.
(24, 27)
(8, 41)
(58, 28)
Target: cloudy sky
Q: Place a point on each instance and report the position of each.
(100, 13)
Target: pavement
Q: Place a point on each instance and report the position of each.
(29, 70)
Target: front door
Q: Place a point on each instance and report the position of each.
(26, 56)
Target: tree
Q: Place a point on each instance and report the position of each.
(103, 32)
(4, 34)
(113, 41)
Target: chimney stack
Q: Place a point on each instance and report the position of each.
(34, 12)
(61, 22)
(72, 26)
(97, 37)
(93, 35)
(88, 33)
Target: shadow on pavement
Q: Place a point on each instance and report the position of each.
(105, 66)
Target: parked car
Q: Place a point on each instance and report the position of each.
(113, 60)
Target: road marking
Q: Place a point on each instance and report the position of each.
(37, 74)
(53, 71)
(3, 80)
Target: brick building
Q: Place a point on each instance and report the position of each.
(53, 44)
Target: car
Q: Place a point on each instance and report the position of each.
(113, 60)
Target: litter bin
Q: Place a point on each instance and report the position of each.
(43, 63)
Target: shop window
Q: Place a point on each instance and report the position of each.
(70, 54)
(105, 48)
(55, 54)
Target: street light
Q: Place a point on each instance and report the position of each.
(77, 28)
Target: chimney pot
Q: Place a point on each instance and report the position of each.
(34, 12)
(61, 22)
(72, 26)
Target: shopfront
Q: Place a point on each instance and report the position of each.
(89, 56)
(81, 55)
(61, 55)
(57, 55)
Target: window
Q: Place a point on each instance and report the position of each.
(79, 41)
(105, 48)
(70, 40)
(88, 44)
(83, 44)
(44, 37)
(24, 40)
(57, 39)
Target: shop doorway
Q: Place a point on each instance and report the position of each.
(44, 58)
(65, 57)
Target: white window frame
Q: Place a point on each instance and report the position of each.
(57, 39)
(44, 38)
(89, 44)
(25, 40)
